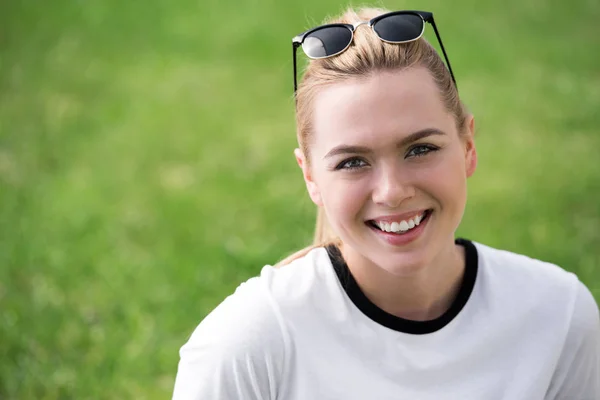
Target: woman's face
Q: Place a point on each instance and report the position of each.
(389, 167)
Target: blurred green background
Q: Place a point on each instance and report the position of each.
(146, 166)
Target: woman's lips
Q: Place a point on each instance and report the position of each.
(401, 238)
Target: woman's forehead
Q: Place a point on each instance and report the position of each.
(385, 103)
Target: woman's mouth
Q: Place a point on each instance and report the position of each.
(400, 227)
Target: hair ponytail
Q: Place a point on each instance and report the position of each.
(323, 232)
(323, 236)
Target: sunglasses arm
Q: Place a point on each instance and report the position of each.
(295, 46)
(430, 20)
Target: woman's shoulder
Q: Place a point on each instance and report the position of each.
(527, 280)
(300, 277)
(242, 322)
(508, 264)
(255, 307)
(242, 345)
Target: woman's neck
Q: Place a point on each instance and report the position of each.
(424, 295)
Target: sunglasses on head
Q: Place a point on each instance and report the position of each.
(395, 27)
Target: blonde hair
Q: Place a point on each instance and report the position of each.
(366, 56)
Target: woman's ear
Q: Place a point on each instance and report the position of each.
(311, 186)
(470, 150)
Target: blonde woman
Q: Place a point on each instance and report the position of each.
(387, 303)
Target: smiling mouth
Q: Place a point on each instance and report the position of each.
(402, 227)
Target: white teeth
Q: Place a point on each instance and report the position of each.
(401, 226)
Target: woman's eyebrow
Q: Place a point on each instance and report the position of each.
(413, 137)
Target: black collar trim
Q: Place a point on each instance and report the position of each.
(400, 324)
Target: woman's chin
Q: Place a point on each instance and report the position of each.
(402, 265)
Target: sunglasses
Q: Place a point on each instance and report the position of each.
(395, 27)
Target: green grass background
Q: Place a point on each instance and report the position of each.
(146, 166)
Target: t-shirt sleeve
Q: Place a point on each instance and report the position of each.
(577, 376)
(237, 351)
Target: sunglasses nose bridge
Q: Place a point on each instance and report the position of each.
(357, 24)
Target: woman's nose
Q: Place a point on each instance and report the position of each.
(391, 188)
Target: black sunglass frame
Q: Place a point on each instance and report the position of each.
(424, 15)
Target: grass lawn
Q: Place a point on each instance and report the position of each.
(146, 166)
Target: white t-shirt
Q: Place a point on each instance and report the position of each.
(519, 329)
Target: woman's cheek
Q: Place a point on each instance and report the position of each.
(345, 196)
(445, 180)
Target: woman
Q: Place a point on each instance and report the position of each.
(388, 304)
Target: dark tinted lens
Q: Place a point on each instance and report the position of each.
(326, 41)
(399, 27)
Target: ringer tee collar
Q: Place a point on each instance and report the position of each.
(401, 324)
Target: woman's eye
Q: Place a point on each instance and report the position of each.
(421, 150)
(353, 163)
